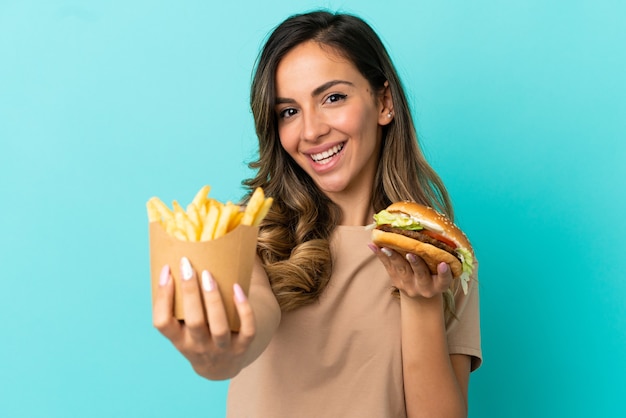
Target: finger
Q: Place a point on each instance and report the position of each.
(247, 330)
(397, 267)
(423, 281)
(404, 267)
(444, 277)
(195, 321)
(163, 309)
(420, 269)
(381, 256)
(215, 311)
(394, 262)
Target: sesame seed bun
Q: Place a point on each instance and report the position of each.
(431, 220)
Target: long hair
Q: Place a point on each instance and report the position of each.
(294, 237)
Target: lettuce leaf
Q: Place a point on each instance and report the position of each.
(397, 220)
(467, 260)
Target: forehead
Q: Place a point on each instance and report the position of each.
(310, 64)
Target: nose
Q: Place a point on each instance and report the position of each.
(314, 126)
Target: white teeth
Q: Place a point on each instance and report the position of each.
(318, 158)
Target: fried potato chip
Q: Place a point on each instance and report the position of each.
(184, 225)
(169, 226)
(260, 215)
(206, 218)
(164, 212)
(200, 198)
(254, 204)
(224, 219)
(153, 212)
(193, 213)
(177, 207)
(235, 219)
(210, 223)
(179, 234)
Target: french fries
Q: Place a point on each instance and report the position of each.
(205, 218)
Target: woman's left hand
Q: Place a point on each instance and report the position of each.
(411, 275)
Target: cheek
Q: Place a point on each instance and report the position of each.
(288, 141)
(359, 120)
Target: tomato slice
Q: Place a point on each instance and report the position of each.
(439, 237)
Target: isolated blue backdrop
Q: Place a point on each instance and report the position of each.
(521, 107)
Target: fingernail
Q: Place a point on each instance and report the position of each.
(411, 258)
(185, 268)
(239, 295)
(442, 268)
(373, 248)
(208, 284)
(386, 251)
(165, 275)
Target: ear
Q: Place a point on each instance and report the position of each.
(385, 105)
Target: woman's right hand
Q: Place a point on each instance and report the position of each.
(204, 337)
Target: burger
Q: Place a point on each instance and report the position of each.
(408, 227)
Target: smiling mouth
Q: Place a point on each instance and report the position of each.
(326, 156)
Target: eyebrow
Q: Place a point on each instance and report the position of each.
(317, 91)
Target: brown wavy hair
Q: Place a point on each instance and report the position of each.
(294, 237)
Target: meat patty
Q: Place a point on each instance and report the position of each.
(417, 235)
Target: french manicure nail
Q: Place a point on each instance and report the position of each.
(185, 268)
(386, 251)
(411, 258)
(165, 275)
(239, 295)
(373, 248)
(208, 284)
(442, 268)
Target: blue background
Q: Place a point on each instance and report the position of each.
(521, 107)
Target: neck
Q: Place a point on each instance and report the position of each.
(356, 211)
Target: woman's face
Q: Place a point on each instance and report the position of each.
(329, 119)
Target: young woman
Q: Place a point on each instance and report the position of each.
(323, 332)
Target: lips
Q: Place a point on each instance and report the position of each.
(325, 156)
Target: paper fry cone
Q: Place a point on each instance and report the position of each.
(229, 259)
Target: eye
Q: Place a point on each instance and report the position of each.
(287, 113)
(336, 97)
